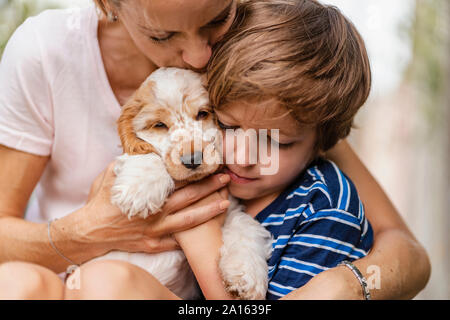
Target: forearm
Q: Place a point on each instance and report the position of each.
(403, 265)
(403, 262)
(201, 246)
(395, 244)
(22, 240)
(394, 269)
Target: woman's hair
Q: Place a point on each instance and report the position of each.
(305, 54)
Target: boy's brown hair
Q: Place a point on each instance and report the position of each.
(306, 54)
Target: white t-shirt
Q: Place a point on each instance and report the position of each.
(55, 99)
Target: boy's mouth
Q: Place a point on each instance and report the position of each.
(237, 178)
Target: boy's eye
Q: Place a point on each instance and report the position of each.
(224, 126)
(285, 145)
(281, 145)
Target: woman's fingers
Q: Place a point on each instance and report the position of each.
(185, 208)
(188, 217)
(224, 193)
(188, 195)
(156, 245)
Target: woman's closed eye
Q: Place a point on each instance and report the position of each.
(161, 39)
(219, 21)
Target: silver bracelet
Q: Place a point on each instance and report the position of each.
(54, 247)
(359, 276)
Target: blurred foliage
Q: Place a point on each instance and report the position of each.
(429, 70)
(14, 12)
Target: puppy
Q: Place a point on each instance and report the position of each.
(169, 135)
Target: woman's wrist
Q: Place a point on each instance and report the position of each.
(332, 284)
(68, 235)
(364, 291)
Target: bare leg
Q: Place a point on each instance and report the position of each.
(116, 280)
(27, 281)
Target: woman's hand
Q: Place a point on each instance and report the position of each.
(101, 225)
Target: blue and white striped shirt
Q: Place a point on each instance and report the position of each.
(316, 223)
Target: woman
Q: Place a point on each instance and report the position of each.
(55, 133)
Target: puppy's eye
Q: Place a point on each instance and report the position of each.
(202, 115)
(160, 125)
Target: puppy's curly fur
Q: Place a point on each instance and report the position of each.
(169, 135)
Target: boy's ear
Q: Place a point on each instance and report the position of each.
(131, 144)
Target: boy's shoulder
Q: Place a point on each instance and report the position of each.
(325, 186)
(322, 187)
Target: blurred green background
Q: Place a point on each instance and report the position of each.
(403, 131)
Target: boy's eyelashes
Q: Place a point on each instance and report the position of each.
(224, 126)
(269, 138)
(285, 145)
(281, 145)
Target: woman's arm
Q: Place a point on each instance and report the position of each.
(23, 240)
(402, 261)
(96, 228)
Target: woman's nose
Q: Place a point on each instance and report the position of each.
(197, 54)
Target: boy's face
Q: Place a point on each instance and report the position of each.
(295, 148)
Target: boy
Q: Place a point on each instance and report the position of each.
(300, 67)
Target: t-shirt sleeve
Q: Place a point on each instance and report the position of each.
(25, 99)
(320, 242)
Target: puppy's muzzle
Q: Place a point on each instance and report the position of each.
(192, 160)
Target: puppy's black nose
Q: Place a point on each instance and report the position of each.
(192, 160)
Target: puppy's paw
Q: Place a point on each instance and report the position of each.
(142, 185)
(243, 256)
(243, 280)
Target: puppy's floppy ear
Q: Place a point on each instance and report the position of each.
(204, 79)
(131, 144)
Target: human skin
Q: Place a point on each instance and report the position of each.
(129, 58)
(129, 55)
(403, 263)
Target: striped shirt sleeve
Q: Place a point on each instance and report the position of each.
(320, 242)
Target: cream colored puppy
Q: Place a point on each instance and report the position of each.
(169, 135)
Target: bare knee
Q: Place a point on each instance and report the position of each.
(104, 279)
(21, 280)
(114, 280)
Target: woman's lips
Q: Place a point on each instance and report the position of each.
(237, 178)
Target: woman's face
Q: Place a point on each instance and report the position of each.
(177, 33)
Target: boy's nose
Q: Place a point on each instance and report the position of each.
(245, 153)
